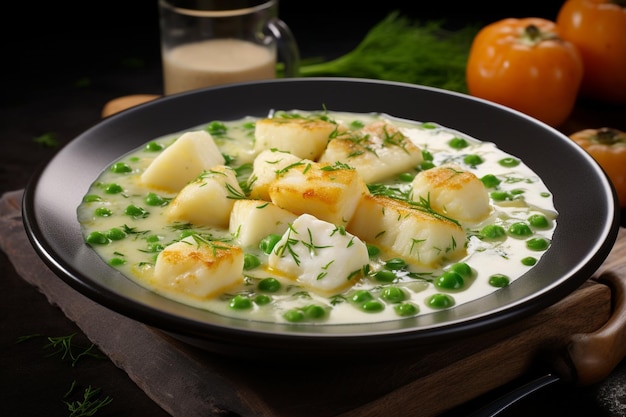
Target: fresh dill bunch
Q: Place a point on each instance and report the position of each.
(398, 49)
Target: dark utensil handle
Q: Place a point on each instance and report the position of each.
(503, 403)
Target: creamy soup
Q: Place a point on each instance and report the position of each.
(319, 217)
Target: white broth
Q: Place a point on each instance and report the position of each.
(126, 222)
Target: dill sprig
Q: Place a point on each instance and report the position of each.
(399, 49)
(91, 402)
(66, 348)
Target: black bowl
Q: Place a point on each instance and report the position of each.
(584, 197)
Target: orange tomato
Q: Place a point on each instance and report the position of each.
(525, 65)
(598, 29)
(608, 147)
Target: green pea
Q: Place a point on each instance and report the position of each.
(490, 181)
(154, 146)
(121, 168)
(427, 155)
(509, 162)
(395, 264)
(293, 315)
(91, 198)
(240, 302)
(268, 242)
(428, 125)
(426, 165)
(406, 177)
(117, 261)
(499, 280)
(113, 188)
(520, 229)
(153, 199)
(314, 311)
(492, 231)
(537, 243)
(216, 128)
(473, 160)
(269, 285)
(372, 251)
(458, 143)
(450, 280)
(152, 238)
(356, 124)
(103, 212)
(393, 294)
(361, 296)
(97, 238)
(136, 212)
(250, 261)
(262, 299)
(385, 275)
(529, 261)
(116, 234)
(538, 221)
(500, 196)
(406, 309)
(462, 269)
(439, 301)
(372, 306)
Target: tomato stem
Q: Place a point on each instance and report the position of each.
(607, 136)
(534, 34)
(620, 3)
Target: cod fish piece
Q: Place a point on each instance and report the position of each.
(319, 255)
(378, 151)
(304, 137)
(420, 237)
(328, 192)
(265, 169)
(452, 191)
(198, 268)
(252, 220)
(208, 200)
(182, 161)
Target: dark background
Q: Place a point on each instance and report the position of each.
(62, 62)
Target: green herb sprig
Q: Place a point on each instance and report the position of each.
(399, 49)
(64, 346)
(89, 405)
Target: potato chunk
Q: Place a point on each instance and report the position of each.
(252, 220)
(265, 170)
(407, 231)
(182, 161)
(319, 255)
(198, 268)
(305, 138)
(378, 151)
(452, 191)
(328, 192)
(208, 200)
